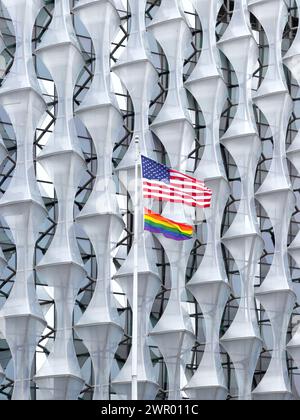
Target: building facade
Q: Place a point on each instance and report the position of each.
(211, 88)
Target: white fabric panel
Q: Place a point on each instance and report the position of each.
(62, 267)
(209, 285)
(292, 61)
(276, 294)
(21, 318)
(100, 326)
(242, 340)
(174, 333)
(139, 76)
(3, 155)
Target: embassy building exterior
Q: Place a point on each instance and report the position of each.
(211, 89)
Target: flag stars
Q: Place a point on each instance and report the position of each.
(155, 171)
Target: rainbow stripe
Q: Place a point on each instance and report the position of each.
(156, 223)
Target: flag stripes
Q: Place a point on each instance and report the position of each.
(162, 183)
(156, 223)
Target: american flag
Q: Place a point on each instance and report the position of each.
(165, 184)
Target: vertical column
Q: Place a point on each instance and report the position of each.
(2, 60)
(99, 327)
(174, 332)
(61, 267)
(209, 284)
(139, 76)
(3, 262)
(292, 61)
(242, 340)
(277, 198)
(21, 319)
(3, 155)
(3, 150)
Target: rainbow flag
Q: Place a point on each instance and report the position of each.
(156, 223)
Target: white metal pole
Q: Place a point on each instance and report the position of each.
(134, 350)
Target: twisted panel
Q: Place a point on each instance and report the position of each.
(275, 294)
(62, 158)
(209, 284)
(174, 332)
(242, 340)
(3, 155)
(21, 318)
(139, 76)
(292, 61)
(99, 327)
(3, 262)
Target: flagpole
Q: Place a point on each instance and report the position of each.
(134, 391)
